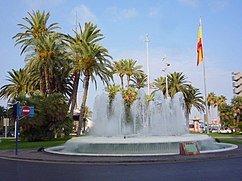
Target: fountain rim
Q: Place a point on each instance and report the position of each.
(137, 140)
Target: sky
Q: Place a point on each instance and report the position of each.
(172, 27)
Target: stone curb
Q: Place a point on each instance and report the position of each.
(41, 156)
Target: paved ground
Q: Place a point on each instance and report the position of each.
(41, 156)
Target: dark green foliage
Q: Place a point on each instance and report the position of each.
(50, 119)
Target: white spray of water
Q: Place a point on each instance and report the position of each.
(161, 117)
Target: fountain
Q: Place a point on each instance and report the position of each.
(142, 129)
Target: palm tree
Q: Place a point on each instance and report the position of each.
(212, 101)
(192, 97)
(227, 116)
(118, 67)
(177, 83)
(33, 40)
(91, 60)
(159, 84)
(237, 107)
(131, 69)
(139, 80)
(220, 101)
(36, 28)
(17, 86)
(77, 47)
(112, 91)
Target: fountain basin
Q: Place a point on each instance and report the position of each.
(136, 145)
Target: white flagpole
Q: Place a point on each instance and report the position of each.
(204, 84)
(205, 95)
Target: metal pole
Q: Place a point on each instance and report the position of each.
(16, 131)
(205, 95)
(147, 61)
(165, 70)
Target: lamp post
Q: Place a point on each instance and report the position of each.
(147, 63)
(164, 59)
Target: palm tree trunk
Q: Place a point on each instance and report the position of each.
(41, 84)
(74, 92)
(122, 82)
(128, 80)
(84, 99)
(47, 84)
(187, 117)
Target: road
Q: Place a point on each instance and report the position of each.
(223, 169)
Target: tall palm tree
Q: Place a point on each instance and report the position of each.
(212, 101)
(90, 60)
(16, 87)
(32, 39)
(131, 69)
(88, 35)
(139, 80)
(220, 101)
(192, 97)
(177, 83)
(36, 28)
(159, 84)
(118, 67)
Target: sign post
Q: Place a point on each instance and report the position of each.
(6, 124)
(25, 111)
(16, 131)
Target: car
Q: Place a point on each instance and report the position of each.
(225, 131)
(214, 131)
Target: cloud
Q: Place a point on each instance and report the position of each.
(121, 14)
(83, 14)
(190, 3)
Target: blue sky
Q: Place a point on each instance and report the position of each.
(172, 26)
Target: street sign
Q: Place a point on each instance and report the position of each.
(25, 110)
(5, 121)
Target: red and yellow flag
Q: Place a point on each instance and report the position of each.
(199, 44)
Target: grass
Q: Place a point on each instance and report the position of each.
(9, 143)
(227, 135)
(230, 141)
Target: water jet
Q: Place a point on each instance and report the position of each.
(143, 129)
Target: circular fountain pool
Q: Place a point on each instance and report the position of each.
(145, 128)
(136, 146)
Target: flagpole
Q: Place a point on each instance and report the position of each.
(205, 95)
(200, 58)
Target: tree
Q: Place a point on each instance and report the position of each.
(118, 67)
(139, 80)
(177, 83)
(159, 84)
(227, 116)
(37, 34)
(192, 97)
(220, 101)
(92, 61)
(16, 87)
(131, 69)
(236, 103)
(212, 101)
(36, 28)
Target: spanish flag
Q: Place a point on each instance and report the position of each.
(199, 44)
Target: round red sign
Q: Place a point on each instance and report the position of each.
(26, 110)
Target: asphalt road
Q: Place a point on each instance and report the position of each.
(222, 169)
